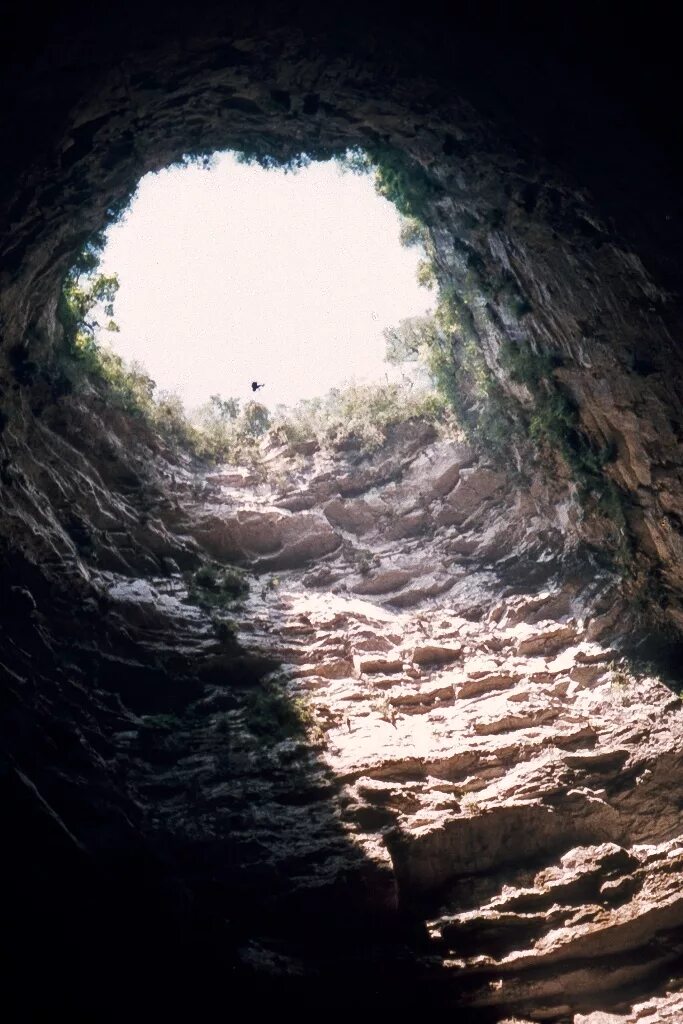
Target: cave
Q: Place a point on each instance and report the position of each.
(436, 760)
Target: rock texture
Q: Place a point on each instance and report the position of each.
(412, 755)
(410, 770)
(515, 785)
(511, 201)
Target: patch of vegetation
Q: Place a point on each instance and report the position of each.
(554, 427)
(270, 586)
(227, 432)
(216, 587)
(221, 430)
(290, 164)
(401, 180)
(225, 629)
(470, 802)
(358, 416)
(619, 677)
(621, 680)
(413, 233)
(79, 300)
(272, 715)
(362, 558)
(448, 345)
(87, 297)
(398, 178)
(509, 298)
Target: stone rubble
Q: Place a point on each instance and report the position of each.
(414, 749)
(498, 774)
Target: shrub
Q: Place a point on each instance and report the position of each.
(217, 587)
(226, 433)
(398, 178)
(271, 714)
(359, 415)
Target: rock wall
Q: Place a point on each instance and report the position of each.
(512, 782)
(411, 757)
(411, 769)
(579, 215)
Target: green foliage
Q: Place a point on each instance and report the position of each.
(413, 233)
(412, 340)
(509, 298)
(403, 182)
(355, 161)
(426, 275)
(225, 408)
(222, 430)
(554, 425)
(526, 366)
(225, 629)
(397, 178)
(357, 416)
(270, 586)
(85, 290)
(217, 587)
(200, 158)
(447, 345)
(555, 421)
(227, 433)
(272, 715)
(87, 296)
(290, 163)
(364, 560)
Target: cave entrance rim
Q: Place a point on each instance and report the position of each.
(230, 273)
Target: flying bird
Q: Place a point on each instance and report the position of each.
(255, 386)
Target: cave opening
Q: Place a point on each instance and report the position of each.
(222, 269)
(409, 752)
(230, 270)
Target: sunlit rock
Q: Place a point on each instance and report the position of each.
(412, 771)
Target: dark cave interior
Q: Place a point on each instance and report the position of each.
(552, 143)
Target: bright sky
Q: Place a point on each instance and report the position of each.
(235, 274)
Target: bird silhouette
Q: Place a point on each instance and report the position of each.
(255, 386)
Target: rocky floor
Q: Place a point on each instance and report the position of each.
(411, 766)
(428, 736)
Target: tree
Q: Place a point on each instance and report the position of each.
(412, 340)
(225, 408)
(82, 295)
(413, 233)
(256, 418)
